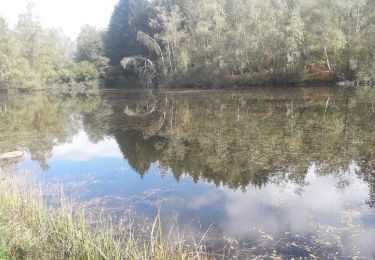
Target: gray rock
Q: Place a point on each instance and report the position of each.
(11, 156)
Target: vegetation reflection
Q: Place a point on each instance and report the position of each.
(233, 139)
(237, 139)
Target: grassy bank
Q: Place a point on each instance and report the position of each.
(30, 229)
(3, 250)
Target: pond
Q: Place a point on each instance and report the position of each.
(271, 170)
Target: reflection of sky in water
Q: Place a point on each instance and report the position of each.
(81, 149)
(98, 171)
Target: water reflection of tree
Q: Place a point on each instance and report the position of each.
(237, 139)
(37, 122)
(227, 138)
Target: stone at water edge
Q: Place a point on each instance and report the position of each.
(11, 155)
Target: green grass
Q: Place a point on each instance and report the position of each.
(33, 230)
(3, 251)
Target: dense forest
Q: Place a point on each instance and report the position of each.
(181, 43)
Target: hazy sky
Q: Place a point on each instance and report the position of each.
(68, 15)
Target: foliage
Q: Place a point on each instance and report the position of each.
(90, 48)
(129, 17)
(199, 43)
(34, 57)
(84, 71)
(234, 41)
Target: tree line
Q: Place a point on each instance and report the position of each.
(249, 42)
(35, 57)
(200, 43)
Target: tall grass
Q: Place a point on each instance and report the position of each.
(32, 229)
(34, 226)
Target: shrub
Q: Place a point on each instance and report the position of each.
(85, 72)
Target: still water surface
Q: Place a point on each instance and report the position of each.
(290, 170)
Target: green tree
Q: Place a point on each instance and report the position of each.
(295, 39)
(366, 53)
(90, 48)
(13, 67)
(168, 20)
(129, 17)
(45, 51)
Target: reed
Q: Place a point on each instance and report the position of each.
(30, 228)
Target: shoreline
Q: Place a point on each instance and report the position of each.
(196, 87)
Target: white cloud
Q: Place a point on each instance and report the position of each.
(68, 15)
(81, 149)
(276, 209)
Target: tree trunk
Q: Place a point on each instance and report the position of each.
(169, 57)
(327, 59)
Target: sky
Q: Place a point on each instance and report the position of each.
(69, 15)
